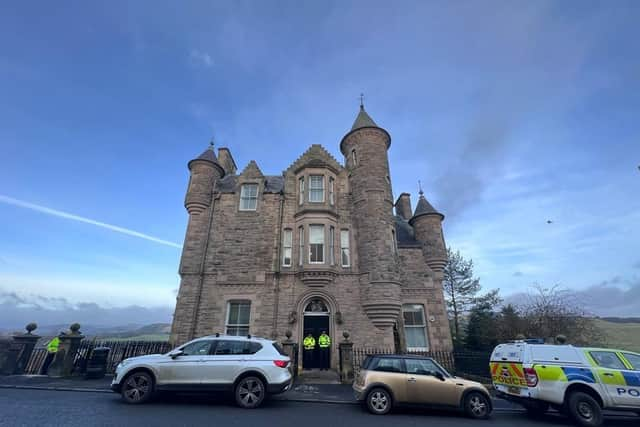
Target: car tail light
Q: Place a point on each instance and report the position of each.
(531, 377)
(281, 363)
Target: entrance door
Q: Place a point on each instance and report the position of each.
(314, 324)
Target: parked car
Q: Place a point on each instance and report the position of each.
(249, 367)
(581, 382)
(385, 381)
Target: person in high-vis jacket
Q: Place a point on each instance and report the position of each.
(324, 342)
(52, 349)
(309, 345)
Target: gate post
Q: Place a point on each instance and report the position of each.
(346, 360)
(27, 343)
(62, 364)
(289, 347)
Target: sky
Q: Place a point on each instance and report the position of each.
(510, 113)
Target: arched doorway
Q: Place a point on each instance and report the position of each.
(316, 319)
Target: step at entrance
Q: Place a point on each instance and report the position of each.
(316, 376)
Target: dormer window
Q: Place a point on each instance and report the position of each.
(316, 188)
(248, 197)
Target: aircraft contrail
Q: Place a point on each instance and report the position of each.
(20, 203)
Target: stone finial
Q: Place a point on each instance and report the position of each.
(346, 335)
(288, 334)
(74, 328)
(31, 327)
(561, 339)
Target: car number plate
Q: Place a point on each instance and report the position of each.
(513, 390)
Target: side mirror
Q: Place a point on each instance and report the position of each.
(175, 353)
(439, 375)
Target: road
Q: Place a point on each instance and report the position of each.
(61, 408)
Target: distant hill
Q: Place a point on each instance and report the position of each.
(622, 333)
(621, 319)
(152, 332)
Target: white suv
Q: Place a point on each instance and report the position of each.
(249, 367)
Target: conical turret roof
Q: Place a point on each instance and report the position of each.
(208, 155)
(363, 120)
(424, 208)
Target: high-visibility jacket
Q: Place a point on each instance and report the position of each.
(53, 345)
(309, 343)
(324, 341)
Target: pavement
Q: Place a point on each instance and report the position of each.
(29, 407)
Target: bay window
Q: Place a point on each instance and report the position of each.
(316, 188)
(316, 244)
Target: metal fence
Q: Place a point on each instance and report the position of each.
(119, 350)
(470, 364)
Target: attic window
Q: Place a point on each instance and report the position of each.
(248, 197)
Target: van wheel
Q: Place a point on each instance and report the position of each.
(250, 392)
(584, 409)
(477, 405)
(379, 401)
(137, 388)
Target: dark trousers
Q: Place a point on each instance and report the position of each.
(307, 359)
(46, 363)
(324, 358)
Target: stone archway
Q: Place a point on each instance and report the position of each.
(317, 311)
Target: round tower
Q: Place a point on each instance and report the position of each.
(365, 151)
(205, 171)
(427, 226)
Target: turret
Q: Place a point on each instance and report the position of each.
(365, 151)
(205, 171)
(427, 225)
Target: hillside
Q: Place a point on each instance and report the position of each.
(622, 335)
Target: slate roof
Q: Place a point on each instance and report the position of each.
(229, 184)
(209, 156)
(404, 233)
(363, 120)
(424, 208)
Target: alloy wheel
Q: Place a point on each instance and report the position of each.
(478, 406)
(250, 392)
(136, 388)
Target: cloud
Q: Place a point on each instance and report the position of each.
(27, 205)
(518, 274)
(17, 310)
(199, 57)
(636, 264)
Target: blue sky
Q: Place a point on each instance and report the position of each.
(510, 113)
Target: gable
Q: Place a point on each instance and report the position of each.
(315, 156)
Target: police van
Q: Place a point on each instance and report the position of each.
(580, 382)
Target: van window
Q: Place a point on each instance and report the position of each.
(384, 364)
(607, 359)
(507, 353)
(555, 353)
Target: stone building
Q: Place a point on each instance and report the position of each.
(315, 248)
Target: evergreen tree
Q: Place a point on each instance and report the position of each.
(460, 289)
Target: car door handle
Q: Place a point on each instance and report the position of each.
(412, 380)
(608, 374)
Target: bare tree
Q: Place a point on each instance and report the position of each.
(549, 312)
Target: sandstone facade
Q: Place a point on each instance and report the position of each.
(318, 246)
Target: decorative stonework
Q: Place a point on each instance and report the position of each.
(316, 278)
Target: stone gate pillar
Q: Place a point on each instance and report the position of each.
(62, 365)
(27, 343)
(346, 359)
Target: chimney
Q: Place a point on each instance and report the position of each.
(403, 206)
(226, 160)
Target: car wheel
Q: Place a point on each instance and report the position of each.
(584, 409)
(477, 405)
(137, 388)
(250, 392)
(379, 401)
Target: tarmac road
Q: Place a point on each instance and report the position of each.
(64, 408)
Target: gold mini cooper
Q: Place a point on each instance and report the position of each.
(385, 381)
